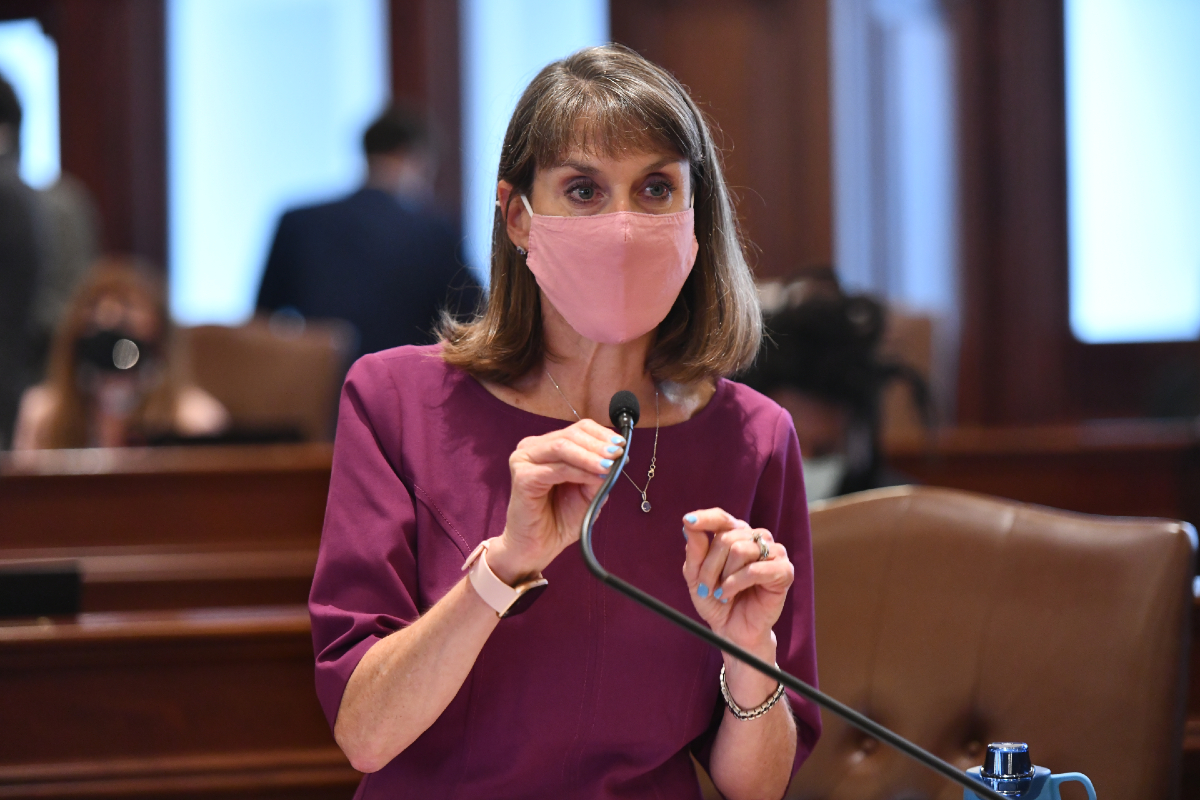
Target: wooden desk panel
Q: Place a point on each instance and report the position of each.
(165, 703)
(273, 495)
(162, 528)
(147, 578)
(1117, 467)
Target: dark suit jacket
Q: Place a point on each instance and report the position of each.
(386, 267)
(19, 263)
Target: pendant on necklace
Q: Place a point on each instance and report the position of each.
(646, 506)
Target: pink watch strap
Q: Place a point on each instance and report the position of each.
(495, 592)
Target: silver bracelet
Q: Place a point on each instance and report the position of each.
(753, 713)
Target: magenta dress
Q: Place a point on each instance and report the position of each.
(586, 694)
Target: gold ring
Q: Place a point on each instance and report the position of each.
(764, 551)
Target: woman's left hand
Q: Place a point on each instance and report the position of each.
(737, 592)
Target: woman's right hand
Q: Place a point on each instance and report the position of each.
(554, 478)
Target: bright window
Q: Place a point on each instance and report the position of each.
(1133, 154)
(505, 43)
(29, 61)
(267, 102)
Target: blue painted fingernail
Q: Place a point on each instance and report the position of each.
(606, 462)
(702, 590)
(691, 518)
(611, 449)
(617, 440)
(725, 600)
(717, 594)
(685, 534)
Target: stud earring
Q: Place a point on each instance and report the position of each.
(521, 250)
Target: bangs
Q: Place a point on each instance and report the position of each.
(611, 118)
(609, 101)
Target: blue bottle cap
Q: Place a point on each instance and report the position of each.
(1007, 768)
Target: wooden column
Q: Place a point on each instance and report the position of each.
(425, 71)
(1014, 366)
(112, 90)
(761, 72)
(112, 111)
(1020, 363)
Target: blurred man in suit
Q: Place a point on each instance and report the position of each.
(380, 258)
(20, 260)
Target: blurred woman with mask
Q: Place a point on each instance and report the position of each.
(114, 378)
(821, 362)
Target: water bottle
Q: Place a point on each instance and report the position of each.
(1008, 770)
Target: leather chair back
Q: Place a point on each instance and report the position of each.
(957, 619)
(274, 379)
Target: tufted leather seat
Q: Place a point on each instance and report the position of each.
(957, 619)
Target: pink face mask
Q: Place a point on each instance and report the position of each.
(615, 276)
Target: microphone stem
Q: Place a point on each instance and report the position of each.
(863, 723)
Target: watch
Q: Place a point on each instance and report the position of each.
(508, 601)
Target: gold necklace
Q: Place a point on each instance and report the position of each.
(653, 456)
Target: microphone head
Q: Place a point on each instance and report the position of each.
(624, 402)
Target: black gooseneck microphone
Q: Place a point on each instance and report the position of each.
(624, 411)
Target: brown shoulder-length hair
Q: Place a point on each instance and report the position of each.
(155, 414)
(610, 100)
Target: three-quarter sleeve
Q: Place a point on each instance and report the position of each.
(366, 577)
(780, 506)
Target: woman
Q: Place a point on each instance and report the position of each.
(823, 364)
(113, 378)
(463, 469)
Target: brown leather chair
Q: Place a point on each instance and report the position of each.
(273, 377)
(957, 619)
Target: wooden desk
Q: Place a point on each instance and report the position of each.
(1115, 467)
(162, 528)
(168, 704)
(273, 496)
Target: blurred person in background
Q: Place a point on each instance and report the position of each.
(20, 262)
(820, 361)
(69, 226)
(114, 377)
(380, 258)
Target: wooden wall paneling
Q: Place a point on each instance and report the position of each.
(1114, 380)
(408, 50)
(1020, 363)
(424, 40)
(1117, 467)
(112, 95)
(1014, 366)
(761, 72)
(24, 9)
(977, 203)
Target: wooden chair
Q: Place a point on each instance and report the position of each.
(273, 378)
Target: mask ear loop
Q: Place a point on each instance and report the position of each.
(520, 249)
(500, 206)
